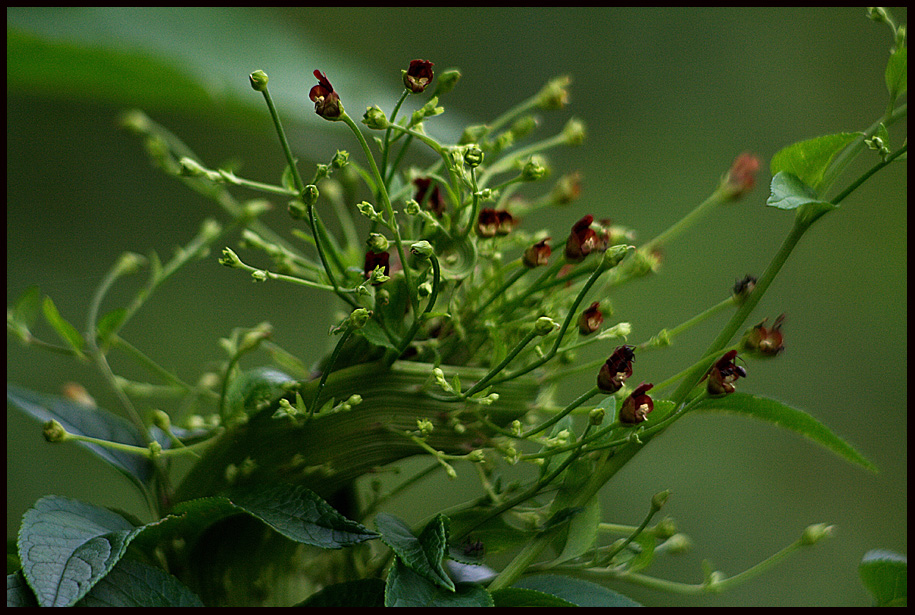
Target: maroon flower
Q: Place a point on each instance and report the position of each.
(492, 222)
(616, 370)
(436, 202)
(742, 176)
(637, 406)
(418, 76)
(374, 260)
(767, 341)
(537, 255)
(723, 374)
(327, 102)
(590, 320)
(582, 241)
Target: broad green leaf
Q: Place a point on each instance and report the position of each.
(885, 575)
(95, 422)
(790, 192)
(300, 515)
(254, 389)
(133, 584)
(784, 416)
(423, 555)
(496, 534)
(576, 591)
(404, 587)
(361, 593)
(64, 329)
(516, 596)
(808, 160)
(897, 73)
(67, 546)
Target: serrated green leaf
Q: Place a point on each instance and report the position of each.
(404, 588)
(808, 160)
(64, 329)
(67, 546)
(18, 592)
(788, 191)
(134, 584)
(361, 593)
(300, 515)
(576, 591)
(897, 73)
(516, 596)
(94, 422)
(423, 555)
(782, 415)
(885, 575)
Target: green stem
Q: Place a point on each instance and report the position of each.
(327, 370)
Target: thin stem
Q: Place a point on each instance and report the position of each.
(327, 370)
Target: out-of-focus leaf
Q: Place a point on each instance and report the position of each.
(885, 575)
(576, 591)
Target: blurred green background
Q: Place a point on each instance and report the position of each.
(670, 97)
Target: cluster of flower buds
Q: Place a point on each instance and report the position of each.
(537, 255)
(613, 373)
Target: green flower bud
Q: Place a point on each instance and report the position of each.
(534, 169)
(523, 126)
(422, 249)
(340, 159)
(161, 420)
(365, 208)
(258, 80)
(375, 118)
(677, 544)
(447, 81)
(555, 94)
(191, 168)
(545, 325)
(359, 317)
(816, 532)
(614, 255)
(377, 242)
(296, 209)
(473, 134)
(230, 258)
(596, 416)
(310, 194)
(155, 448)
(659, 499)
(411, 207)
(55, 432)
(574, 132)
(473, 156)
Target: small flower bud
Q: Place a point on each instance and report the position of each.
(555, 94)
(425, 427)
(340, 159)
(636, 407)
(743, 288)
(534, 169)
(377, 242)
(191, 168)
(375, 118)
(596, 416)
(614, 255)
(258, 80)
(590, 320)
(377, 266)
(296, 209)
(659, 499)
(365, 208)
(161, 420)
(545, 325)
(816, 532)
(359, 317)
(574, 132)
(230, 258)
(741, 178)
(418, 77)
(473, 156)
(54, 432)
(665, 528)
(616, 369)
(765, 341)
(422, 249)
(678, 544)
(447, 81)
(310, 194)
(523, 126)
(537, 255)
(566, 189)
(327, 102)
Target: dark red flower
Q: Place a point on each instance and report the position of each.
(616, 369)
(373, 260)
(436, 202)
(637, 406)
(327, 102)
(767, 341)
(418, 76)
(723, 374)
(537, 255)
(582, 241)
(591, 319)
(492, 222)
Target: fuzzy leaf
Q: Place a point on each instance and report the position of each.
(885, 575)
(133, 583)
(405, 587)
(95, 422)
(423, 555)
(784, 416)
(67, 546)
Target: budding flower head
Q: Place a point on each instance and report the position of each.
(582, 241)
(616, 369)
(375, 118)
(555, 94)
(537, 255)
(741, 178)
(724, 373)
(54, 431)
(418, 76)
(637, 406)
(377, 266)
(766, 341)
(574, 132)
(327, 102)
(590, 320)
(258, 80)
